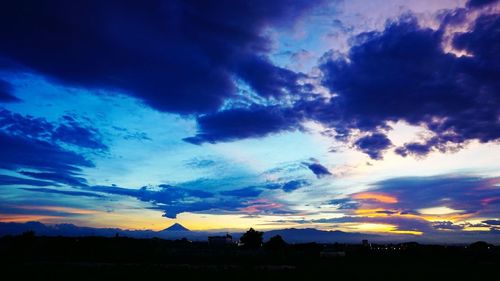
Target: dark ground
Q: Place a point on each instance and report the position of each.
(28, 258)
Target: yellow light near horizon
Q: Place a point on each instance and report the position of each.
(229, 222)
(383, 228)
(133, 218)
(441, 210)
(374, 227)
(477, 228)
(411, 232)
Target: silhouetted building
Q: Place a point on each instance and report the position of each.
(366, 244)
(220, 240)
(331, 253)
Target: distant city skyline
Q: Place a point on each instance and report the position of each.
(378, 117)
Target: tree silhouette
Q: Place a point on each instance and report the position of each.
(276, 243)
(252, 239)
(30, 234)
(480, 246)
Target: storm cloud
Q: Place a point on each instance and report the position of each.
(177, 56)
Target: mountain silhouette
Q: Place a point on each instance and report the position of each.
(176, 227)
(177, 231)
(303, 235)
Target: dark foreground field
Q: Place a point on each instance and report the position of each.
(92, 258)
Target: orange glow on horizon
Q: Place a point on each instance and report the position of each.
(376, 196)
(68, 210)
(26, 218)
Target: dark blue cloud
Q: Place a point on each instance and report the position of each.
(55, 165)
(171, 200)
(318, 169)
(402, 73)
(383, 66)
(240, 123)
(37, 149)
(479, 3)
(387, 212)
(373, 145)
(269, 80)
(74, 133)
(174, 200)
(414, 148)
(183, 56)
(163, 194)
(6, 90)
(60, 166)
(492, 222)
(243, 192)
(64, 192)
(18, 153)
(294, 185)
(399, 74)
(25, 126)
(177, 56)
(442, 143)
(67, 131)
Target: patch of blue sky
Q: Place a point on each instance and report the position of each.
(150, 150)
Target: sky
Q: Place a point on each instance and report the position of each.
(377, 116)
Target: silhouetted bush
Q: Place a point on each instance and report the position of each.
(252, 239)
(275, 243)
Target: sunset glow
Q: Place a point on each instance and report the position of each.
(379, 117)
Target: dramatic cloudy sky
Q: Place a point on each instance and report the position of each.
(359, 115)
